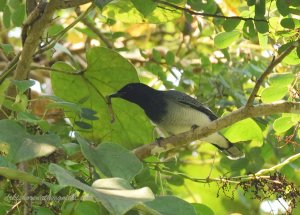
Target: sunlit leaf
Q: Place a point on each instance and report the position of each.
(244, 130)
(124, 11)
(292, 58)
(225, 39)
(281, 79)
(271, 94)
(283, 124)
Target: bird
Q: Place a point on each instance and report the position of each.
(175, 112)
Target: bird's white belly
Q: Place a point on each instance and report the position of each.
(181, 118)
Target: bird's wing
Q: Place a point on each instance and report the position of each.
(190, 101)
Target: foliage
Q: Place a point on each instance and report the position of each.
(56, 129)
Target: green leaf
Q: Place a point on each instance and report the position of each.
(7, 48)
(295, 3)
(225, 39)
(244, 130)
(297, 50)
(111, 159)
(115, 194)
(54, 29)
(102, 3)
(283, 7)
(283, 124)
(4, 162)
(27, 117)
(248, 30)
(171, 205)
(88, 113)
(231, 24)
(14, 174)
(106, 73)
(288, 23)
(82, 207)
(281, 79)
(144, 6)
(262, 27)
(83, 125)
(251, 2)
(124, 11)
(170, 58)
(292, 58)
(208, 6)
(23, 85)
(18, 15)
(263, 40)
(3, 87)
(202, 209)
(42, 211)
(24, 146)
(260, 8)
(2, 4)
(6, 17)
(156, 55)
(271, 94)
(14, 3)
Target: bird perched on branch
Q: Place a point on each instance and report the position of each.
(176, 112)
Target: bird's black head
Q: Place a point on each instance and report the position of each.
(135, 92)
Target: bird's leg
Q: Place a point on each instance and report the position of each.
(158, 140)
(194, 127)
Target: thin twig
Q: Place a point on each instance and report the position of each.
(237, 179)
(92, 26)
(278, 166)
(14, 207)
(10, 67)
(192, 12)
(268, 70)
(59, 35)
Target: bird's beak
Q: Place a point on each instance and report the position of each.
(115, 95)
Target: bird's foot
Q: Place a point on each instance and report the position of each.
(158, 140)
(194, 127)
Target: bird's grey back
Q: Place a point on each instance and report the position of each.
(185, 99)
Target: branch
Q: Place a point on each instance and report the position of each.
(268, 70)
(214, 126)
(192, 12)
(32, 40)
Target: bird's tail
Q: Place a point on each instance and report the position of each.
(233, 152)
